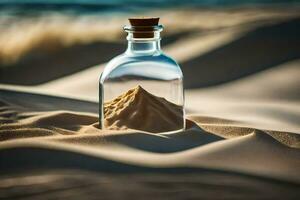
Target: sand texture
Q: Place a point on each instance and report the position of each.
(242, 138)
(140, 110)
(45, 146)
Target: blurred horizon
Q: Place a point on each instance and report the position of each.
(33, 7)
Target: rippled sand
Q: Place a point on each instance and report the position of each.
(241, 73)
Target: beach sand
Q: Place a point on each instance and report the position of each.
(42, 144)
(243, 121)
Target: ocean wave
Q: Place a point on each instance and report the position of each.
(20, 36)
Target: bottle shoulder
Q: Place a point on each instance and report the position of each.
(127, 64)
(157, 58)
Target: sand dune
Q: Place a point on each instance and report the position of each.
(260, 49)
(279, 83)
(71, 140)
(76, 184)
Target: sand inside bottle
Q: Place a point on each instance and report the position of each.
(138, 109)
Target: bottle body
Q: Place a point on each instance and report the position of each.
(158, 103)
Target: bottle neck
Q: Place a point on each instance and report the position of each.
(143, 46)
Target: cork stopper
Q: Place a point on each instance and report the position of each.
(144, 26)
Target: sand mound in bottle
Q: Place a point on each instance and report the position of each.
(138, 109)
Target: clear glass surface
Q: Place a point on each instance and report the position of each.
(143, 64)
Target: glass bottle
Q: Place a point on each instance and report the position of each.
(155, 80)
